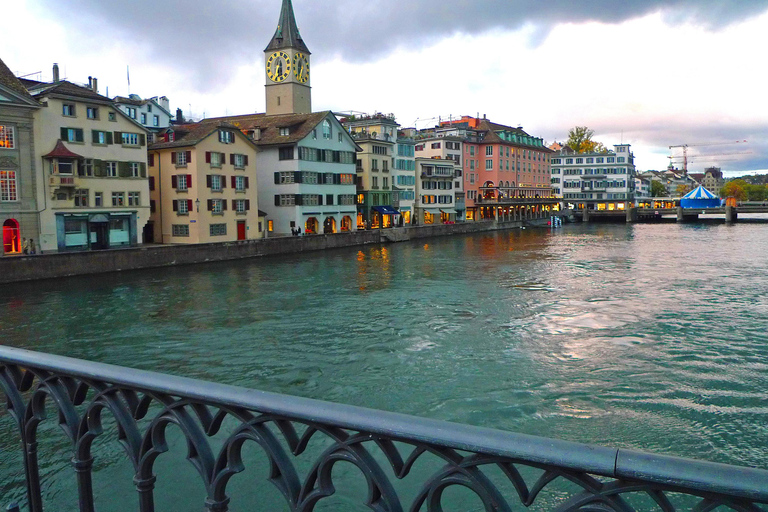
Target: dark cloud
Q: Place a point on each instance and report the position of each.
(204, 39)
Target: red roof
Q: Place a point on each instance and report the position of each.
(61, 151)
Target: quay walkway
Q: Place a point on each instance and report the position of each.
(503, 470)
(731, 213)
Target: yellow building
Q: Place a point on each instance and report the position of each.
(202, 180)
(93, 168)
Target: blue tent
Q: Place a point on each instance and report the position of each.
(700, 198)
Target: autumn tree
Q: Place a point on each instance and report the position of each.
(736, 189)
(580, 140)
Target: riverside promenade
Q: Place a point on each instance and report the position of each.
(51, 266)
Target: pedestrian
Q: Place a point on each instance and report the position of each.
(293, 231)
(32, 248)
(24, 246)
(298, 231)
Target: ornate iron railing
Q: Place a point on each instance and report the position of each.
(383, 446)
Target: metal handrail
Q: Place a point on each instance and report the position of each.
(738, 487)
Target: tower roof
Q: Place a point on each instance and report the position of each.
(287, 34)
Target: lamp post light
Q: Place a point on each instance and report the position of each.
(197, 204)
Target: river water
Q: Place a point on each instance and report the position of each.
(647, 336)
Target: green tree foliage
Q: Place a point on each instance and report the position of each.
(580, 140)
(658, 189)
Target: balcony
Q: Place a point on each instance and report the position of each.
(390, 450)
(62, 181)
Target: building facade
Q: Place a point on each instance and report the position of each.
(435, 196)
(154, 114)
(19, 180)
(92, 166)
(404, 179)
(713, 180)
(596, 181)
(203, 186)
(377, 137)
(443, 143)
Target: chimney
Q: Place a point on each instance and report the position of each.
(55, 73)
(95, 87)
(179, 116)
(90, 82)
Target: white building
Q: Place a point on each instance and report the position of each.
(446, 143)
(435, 196)
(152, 113)
(404, 179)
(595, 181)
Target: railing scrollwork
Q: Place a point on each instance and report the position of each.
(383, 447)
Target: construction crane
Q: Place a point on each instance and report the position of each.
(686, 146)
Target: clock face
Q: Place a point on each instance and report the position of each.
(278, 66)
(301, 67)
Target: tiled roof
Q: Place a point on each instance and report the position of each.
(9, 80)
(129, 101)
(65, 88)
(300, 126)
(187, 135)
(61, 151)
(287, 34)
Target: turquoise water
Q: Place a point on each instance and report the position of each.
(646, 336)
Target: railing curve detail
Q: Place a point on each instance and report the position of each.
(502, 470)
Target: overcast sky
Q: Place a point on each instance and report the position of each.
(653, 73)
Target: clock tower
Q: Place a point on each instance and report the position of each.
(287, 66)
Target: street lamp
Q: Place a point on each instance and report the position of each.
(197, 204)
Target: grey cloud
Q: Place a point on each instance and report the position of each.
(202, 39)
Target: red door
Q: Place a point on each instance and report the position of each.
(241, 230)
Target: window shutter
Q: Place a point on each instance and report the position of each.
(210, 205)
(234, 182)
(245, 157)
(151, 183)
(189, 181)
(189, 205)
(277, 178)
(320, 200)
(329, 199)
(207, 157)
(299, 200)
(223, 181)
(231, 159)
(79, 135)
(142, 169)
(247, 205)
(297, 176)
(277, 200)
(118, 137)
(234, 205)
(175, 204)
(337, 179)
(124, 169)
(189, 157)
(208, 180)
(110, 139)
(63, 134)
(174, 181)
(142, 139)
(173, 158)
(151, 159)
(246, 182)
(224, 205)
(223, 158)
(98, 168)
(95, 136)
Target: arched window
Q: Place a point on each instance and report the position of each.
(326, 129)
(11, 238)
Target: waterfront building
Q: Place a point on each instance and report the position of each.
(444, 143)
(677, 183)
(203, 187)
(305, 161)
(404, 178)
(596, 181)
(92, 168)
(153, 113)
(642, 189)
(435, 197)
(376, 135)
(506, 171)
(713, 179)
(19, 183)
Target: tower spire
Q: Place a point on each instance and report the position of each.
(287, 34)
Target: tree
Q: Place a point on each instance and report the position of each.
(658, 189)
(736, 189)
(580, 140)
(682, 190)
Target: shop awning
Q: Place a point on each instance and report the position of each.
(432, 211)
(448, 210)
(386, 210)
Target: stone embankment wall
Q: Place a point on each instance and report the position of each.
(48, 266)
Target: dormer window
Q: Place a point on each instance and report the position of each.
(226, 137)
(255, 134)
(284, 132)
